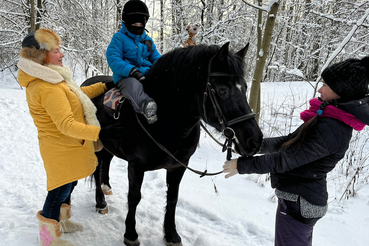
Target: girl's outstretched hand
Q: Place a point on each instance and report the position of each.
(230, 167)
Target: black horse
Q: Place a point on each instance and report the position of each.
(188, 84)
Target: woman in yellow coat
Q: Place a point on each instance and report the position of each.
(68, 131)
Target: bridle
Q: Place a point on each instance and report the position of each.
(227, 131)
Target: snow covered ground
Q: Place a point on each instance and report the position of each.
(240, 213)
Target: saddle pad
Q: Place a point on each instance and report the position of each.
(111, 98)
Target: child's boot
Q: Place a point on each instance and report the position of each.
(149, 112)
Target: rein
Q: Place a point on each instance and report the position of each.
(202, 174)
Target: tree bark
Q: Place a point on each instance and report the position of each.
(119, 15)
(262, 55)
(39, 14)
(32, 17)
(259, 32)
(162, 26)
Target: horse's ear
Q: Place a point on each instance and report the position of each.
(242, 52)
(222, 53)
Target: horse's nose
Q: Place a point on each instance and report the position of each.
(252, 146)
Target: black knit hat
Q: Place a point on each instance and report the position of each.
(349, 79)
(135, 11)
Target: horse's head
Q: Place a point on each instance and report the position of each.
(225, 105)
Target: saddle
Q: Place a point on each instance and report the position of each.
(113, 101)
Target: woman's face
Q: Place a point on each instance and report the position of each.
(326, 93)
(54, 57)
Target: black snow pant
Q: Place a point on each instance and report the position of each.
(291, 229)
(133, 90)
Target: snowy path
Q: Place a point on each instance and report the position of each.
(240, 214)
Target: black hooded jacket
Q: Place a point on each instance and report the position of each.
(301, 169)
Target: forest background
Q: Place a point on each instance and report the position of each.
(303, 37)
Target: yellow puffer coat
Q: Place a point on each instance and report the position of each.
(65, 140)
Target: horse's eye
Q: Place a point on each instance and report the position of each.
(223, 92)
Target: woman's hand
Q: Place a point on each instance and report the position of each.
(230, 167)
(112, 132)
(109, 85)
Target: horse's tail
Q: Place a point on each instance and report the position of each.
(91, 181)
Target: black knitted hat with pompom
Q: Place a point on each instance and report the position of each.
(349, 79)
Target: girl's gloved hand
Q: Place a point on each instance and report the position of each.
(230, 167)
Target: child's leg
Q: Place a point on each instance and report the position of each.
(54, 200)
(133, 90)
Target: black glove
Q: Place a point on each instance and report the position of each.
(112, 132)
(109, 85)
(136, 74)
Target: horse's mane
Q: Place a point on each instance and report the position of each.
(180, 64)
(191, 56)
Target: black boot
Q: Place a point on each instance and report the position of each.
(149, 111)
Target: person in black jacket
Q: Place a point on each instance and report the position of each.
(299, 162)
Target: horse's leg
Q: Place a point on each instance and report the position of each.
(101, 205)
(174, 178)
(106, 187)
(135, 179)
(103, 157)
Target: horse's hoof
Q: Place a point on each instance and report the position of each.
(131, 243)
(173, 244)
(106, 190)
(102, 210)
(173, 238)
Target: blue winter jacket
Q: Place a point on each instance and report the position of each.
(127, 50)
